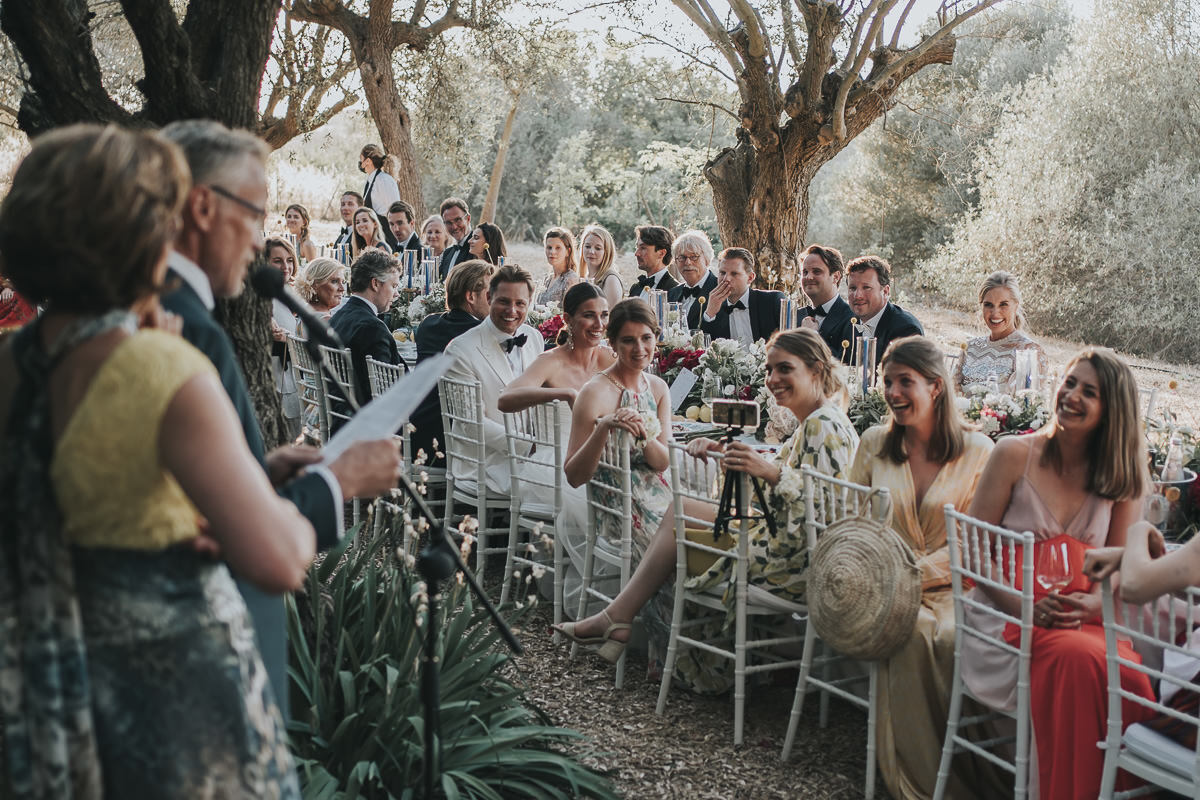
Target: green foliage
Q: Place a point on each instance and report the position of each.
(595, 140)
(867, 410)
(899, 187)
(1087, 188)
(357, 635)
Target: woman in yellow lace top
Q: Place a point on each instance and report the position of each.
(140, 675)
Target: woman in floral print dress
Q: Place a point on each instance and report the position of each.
(800, 374)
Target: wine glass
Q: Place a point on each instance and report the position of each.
(1053, 566)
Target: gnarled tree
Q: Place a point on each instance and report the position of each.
(806, 92)
(374, 39)
(207, 62)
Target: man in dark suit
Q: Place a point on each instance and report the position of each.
(219, 235)
(829, 315)
(692, 253)
(467, 298)
(457, 219)
(401, 220)
(870, 279)
(374, 284)
(653, 255)
(351, 202)
(734, 310)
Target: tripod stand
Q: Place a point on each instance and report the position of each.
(734, 505)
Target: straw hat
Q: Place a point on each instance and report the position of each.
(864, 588)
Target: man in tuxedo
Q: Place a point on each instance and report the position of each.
(220, 234)
(653, 255)
(494, 353)
(351, 202)
(457, 219)
(734, 310)
(467, 300)
(829, 315)
(374, 284)
(692, 253)
(870, 279)
(401, 220)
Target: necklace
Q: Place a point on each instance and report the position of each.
(622, 386)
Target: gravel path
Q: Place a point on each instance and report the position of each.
(688, 752)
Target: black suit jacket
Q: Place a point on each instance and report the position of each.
(366, 335)
(452, 255)
(413, 242)
(344, 235)
(896, 323)
(675, 295)
(665, 283)
(764, 316)
(433, 334)
(310, 493)
(835, 328)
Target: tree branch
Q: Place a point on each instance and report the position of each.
(918, 52)
(714, 31)
(900, 23)
(671, 45)
(706, 103)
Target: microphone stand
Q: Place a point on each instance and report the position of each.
(437, 563)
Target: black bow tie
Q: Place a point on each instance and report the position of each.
(739, 306)
(692, 291)
(516, 341)
(818, 311)
(645, 281)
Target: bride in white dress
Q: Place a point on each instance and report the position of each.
(559, 374)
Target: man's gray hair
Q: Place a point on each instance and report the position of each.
(694, 241)
(211, 148)
(374, 264)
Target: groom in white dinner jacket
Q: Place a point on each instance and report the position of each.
(494, 353)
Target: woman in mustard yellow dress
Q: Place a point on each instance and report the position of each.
(128, 664)
(926, 458)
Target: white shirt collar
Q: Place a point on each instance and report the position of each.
(745, 300)
(376, 310)
(703, 277)
(873, 322)
(193, 276)
(828, 304)
(658, 276)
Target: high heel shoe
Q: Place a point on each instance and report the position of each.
(608, 648)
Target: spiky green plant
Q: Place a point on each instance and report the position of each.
(356, 638)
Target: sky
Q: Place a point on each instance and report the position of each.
(598, 15)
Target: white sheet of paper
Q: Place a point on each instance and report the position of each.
(683, 384)
(384, 415)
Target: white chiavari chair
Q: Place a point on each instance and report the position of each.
(337, 411)
(312, 387)
(466, 464)
(1140, 749)
(986, 555)
(827, 500)
(382, 376)
(610, 507)
(537, 443)
(695, 485)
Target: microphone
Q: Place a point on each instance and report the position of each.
(268, 283)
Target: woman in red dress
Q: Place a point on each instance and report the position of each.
(1077, 484)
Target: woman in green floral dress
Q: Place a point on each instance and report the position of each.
(800, 375)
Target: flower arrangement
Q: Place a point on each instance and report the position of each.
(776, 423)
(867, 410)
(425, 304)
(550, 328)
(1001, 414)
(396, 317)
(541, 313)
(741, 371)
